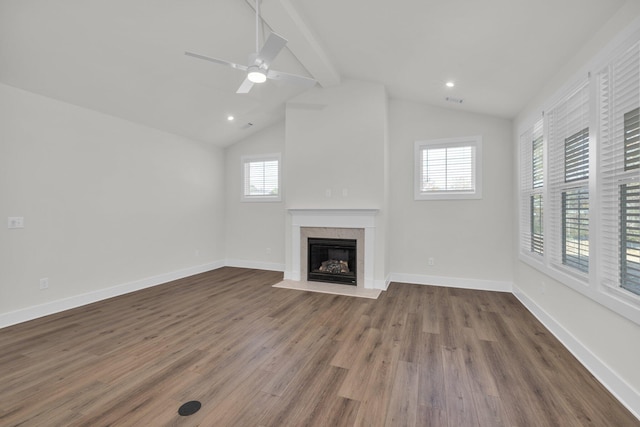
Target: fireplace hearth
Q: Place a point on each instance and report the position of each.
(332, 260)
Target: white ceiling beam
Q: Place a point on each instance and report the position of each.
(281, 16)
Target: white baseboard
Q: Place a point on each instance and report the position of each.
(626, 394)
(453, 282)
(257, 265)
(382, 284)
(30, 313)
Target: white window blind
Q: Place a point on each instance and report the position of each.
(537, 221)
(576, 156)
(448, 168)
(630, 237)
(531, 190)
(526, 186)
(261, 178)
(568, 206)
(575, 228)
(619, 97)
(537, 157)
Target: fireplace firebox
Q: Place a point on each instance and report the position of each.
(332, 260)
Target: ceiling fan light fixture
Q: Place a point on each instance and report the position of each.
(256, 75)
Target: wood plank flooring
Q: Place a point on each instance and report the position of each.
(255, 355)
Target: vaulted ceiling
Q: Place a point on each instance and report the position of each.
(126, 58)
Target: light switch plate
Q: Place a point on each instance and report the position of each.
(16, 222)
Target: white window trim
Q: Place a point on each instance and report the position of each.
(474, 141)
(260, 158)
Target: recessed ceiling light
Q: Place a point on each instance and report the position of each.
(450, 84)
(230, 118)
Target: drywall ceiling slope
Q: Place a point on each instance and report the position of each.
(126, 59)
(499, 52)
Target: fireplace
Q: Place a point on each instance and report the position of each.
(332, 260)
(355, 224)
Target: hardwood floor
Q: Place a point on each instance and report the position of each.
(261, 356)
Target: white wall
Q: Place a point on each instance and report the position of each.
(338, 146)
(469, 240)
(254, 230)
(607, 343)
(106, 203)
(336, 141)
(629, 12)
(349, 137)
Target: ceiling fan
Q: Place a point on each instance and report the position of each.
(258, 69)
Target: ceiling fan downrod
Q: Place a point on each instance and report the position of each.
(257, 25)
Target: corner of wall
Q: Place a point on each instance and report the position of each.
(625, 393)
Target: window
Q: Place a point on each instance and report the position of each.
(261, 178)
(575, 228)
(632, 139)
(579, 176)
(630, 237)
(532, 188)
(575, 202)
(619, 88)
(576, 156)
(568, 138)
(538, 157)
(630, 207)
(537, 235)
(448, 169)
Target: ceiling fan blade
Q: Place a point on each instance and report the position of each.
(245, 87)
(291, 78)
(217, 61)
(270, 50)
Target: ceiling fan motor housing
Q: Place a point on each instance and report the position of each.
(255, 74)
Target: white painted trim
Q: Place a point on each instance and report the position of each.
(382, 284)
(626, 394)
(469, 141)
(329, 288)
(453, 282)
(34, 312)
(355, 218)
(338, 218)
(244, 160)
(256, 265)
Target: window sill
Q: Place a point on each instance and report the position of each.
(261, 199)
(614, 299)
(447, 196)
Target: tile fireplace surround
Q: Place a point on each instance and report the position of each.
(356, 224)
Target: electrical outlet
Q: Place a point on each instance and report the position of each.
(16, 222)
(431, 261)
(268, 251)
(327, 192)
(44, 283)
